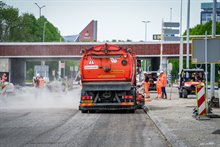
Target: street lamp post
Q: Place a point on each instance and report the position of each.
(40, 7)
(161, 46)
(181, 40)
(170, 14)
(188, 23)
(212, 75)
(147, 21)
(43, 62)
(44, 30)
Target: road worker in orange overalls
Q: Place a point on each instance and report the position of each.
(41, 82)
(147, 85)
(158, 86)
(163, 79)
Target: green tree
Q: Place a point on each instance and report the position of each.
(27, 31)
(200, 29)
(9, 20)
(25, 28)
(51, 32)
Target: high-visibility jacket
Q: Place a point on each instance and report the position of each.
(158, 87)
(163, 78)
(41, 82)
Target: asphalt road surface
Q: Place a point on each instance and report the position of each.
(63, 125)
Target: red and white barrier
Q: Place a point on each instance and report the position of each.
(201, 100)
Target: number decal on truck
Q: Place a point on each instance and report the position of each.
(91, 67)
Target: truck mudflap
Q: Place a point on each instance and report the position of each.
(108, 106)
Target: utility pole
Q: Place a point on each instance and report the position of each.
(181, 40)
(161, 46)
(40, 7)
(170, 14)
(44, 31)
(146, 22)
(188, 22)
(212, 76)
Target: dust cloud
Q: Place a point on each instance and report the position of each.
(31, 97)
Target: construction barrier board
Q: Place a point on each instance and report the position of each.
(201, 100)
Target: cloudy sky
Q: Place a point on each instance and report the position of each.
(117, 19)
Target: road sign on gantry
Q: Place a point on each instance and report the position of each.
(169, 31)
(156, 36)
(171, 24)
(198, 51)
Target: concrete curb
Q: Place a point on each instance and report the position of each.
(171, 138)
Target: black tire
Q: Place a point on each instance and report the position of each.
(139, 106)
(84, 111)
(185, 93)
(131, 111)
(180, 94)
(91, 111)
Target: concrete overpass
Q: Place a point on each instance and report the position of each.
(17, 54)
(72, 50)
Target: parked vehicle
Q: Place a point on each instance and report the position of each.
(6, 88)
(189, 79)
(153, 79)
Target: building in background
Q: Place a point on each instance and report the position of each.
(88, 34)
(206, 13)
(71, 38)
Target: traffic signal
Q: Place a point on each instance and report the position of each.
(138, 63)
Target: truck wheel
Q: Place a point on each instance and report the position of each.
(185, 93)
(133, 93)
(84, 111)
(131, 111)
(180, 94)
(91, 111)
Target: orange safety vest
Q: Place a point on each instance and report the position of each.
(164, 80)
(41, 83)
(158, 87)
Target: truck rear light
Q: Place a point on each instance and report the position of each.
(87, 105)
(86, 97)
(127, 97)
(127, 103)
